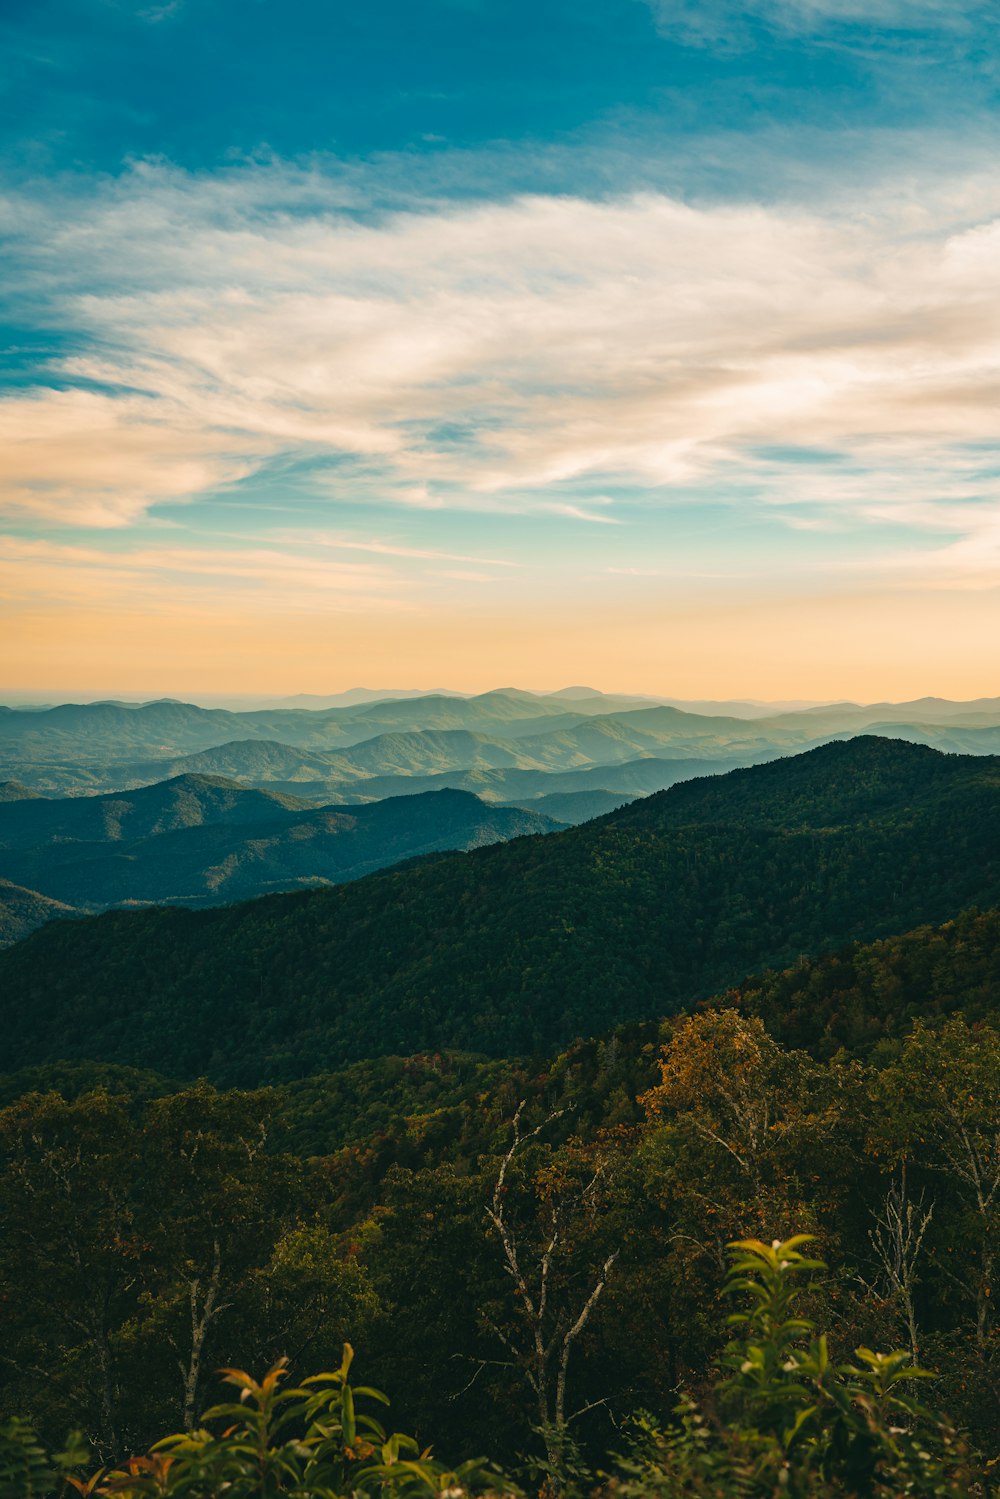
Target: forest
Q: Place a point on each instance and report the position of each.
(522, 947)
(707, 1203)
(578, 1209)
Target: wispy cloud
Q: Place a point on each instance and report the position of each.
(732, 22)
(490, 355)
(339, 542)
(42, 572)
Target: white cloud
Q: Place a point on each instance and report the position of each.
(101, 460)
(480, 355)
(730, 22)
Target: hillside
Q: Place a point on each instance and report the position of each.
(14, 791)
(518, 948)
(630, 778)
(848, 782)
(184, 802)
(197, 840)
(23, 911)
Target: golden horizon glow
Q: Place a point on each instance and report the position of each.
(848, 647)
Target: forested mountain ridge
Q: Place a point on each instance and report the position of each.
(199, 840)
(23, 911)
(846, 781)
(861, 1000)
(518, 948)
(182, 802)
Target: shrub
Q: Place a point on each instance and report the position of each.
(785, 1420)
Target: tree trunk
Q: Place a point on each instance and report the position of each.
(201, 1320)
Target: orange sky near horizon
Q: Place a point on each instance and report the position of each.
(865, 647)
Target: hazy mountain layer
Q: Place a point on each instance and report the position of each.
(630, 779)
(109, 746)
(96, 733)
(197, 840)
(518, 948)
(574, 807)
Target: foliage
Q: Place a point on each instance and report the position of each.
(786, 1419)
(146, 1240)
(313, 1441)
(105, 1300)
(27, 1471)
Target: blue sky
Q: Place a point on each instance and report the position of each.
(648, 342)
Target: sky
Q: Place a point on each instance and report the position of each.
(651, 344)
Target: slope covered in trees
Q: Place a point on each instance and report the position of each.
(182, 802)
(24, 911)
(520, 947)
(200, 839)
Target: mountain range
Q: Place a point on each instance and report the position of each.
(521, 946)
(197, 839)
(506, 746)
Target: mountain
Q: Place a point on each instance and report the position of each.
(397, 763)
(574, 807)
(856, 717)
(197, 840)
(517, 948)
(187, 801)
(854, 782)
(952, 737)
(23, 911)
(83, 749)
(79, 745)
(658, 731)
(255, 761)
(512, 786)
(352, 697)
(14, 791)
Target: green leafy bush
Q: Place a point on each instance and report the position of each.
(311, 1441)
(786, 1420)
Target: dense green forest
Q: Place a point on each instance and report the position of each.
(339, 1207)
(530, 1246)
(519, 948)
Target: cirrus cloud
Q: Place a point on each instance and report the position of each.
(489, 355)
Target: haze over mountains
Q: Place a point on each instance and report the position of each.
(111, 803)
(503, 745)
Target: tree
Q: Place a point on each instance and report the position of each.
(552, 1309)
(940, 1107)
(786, 1419)
(72, 1255)
(144, 1242)
(897, 1239)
